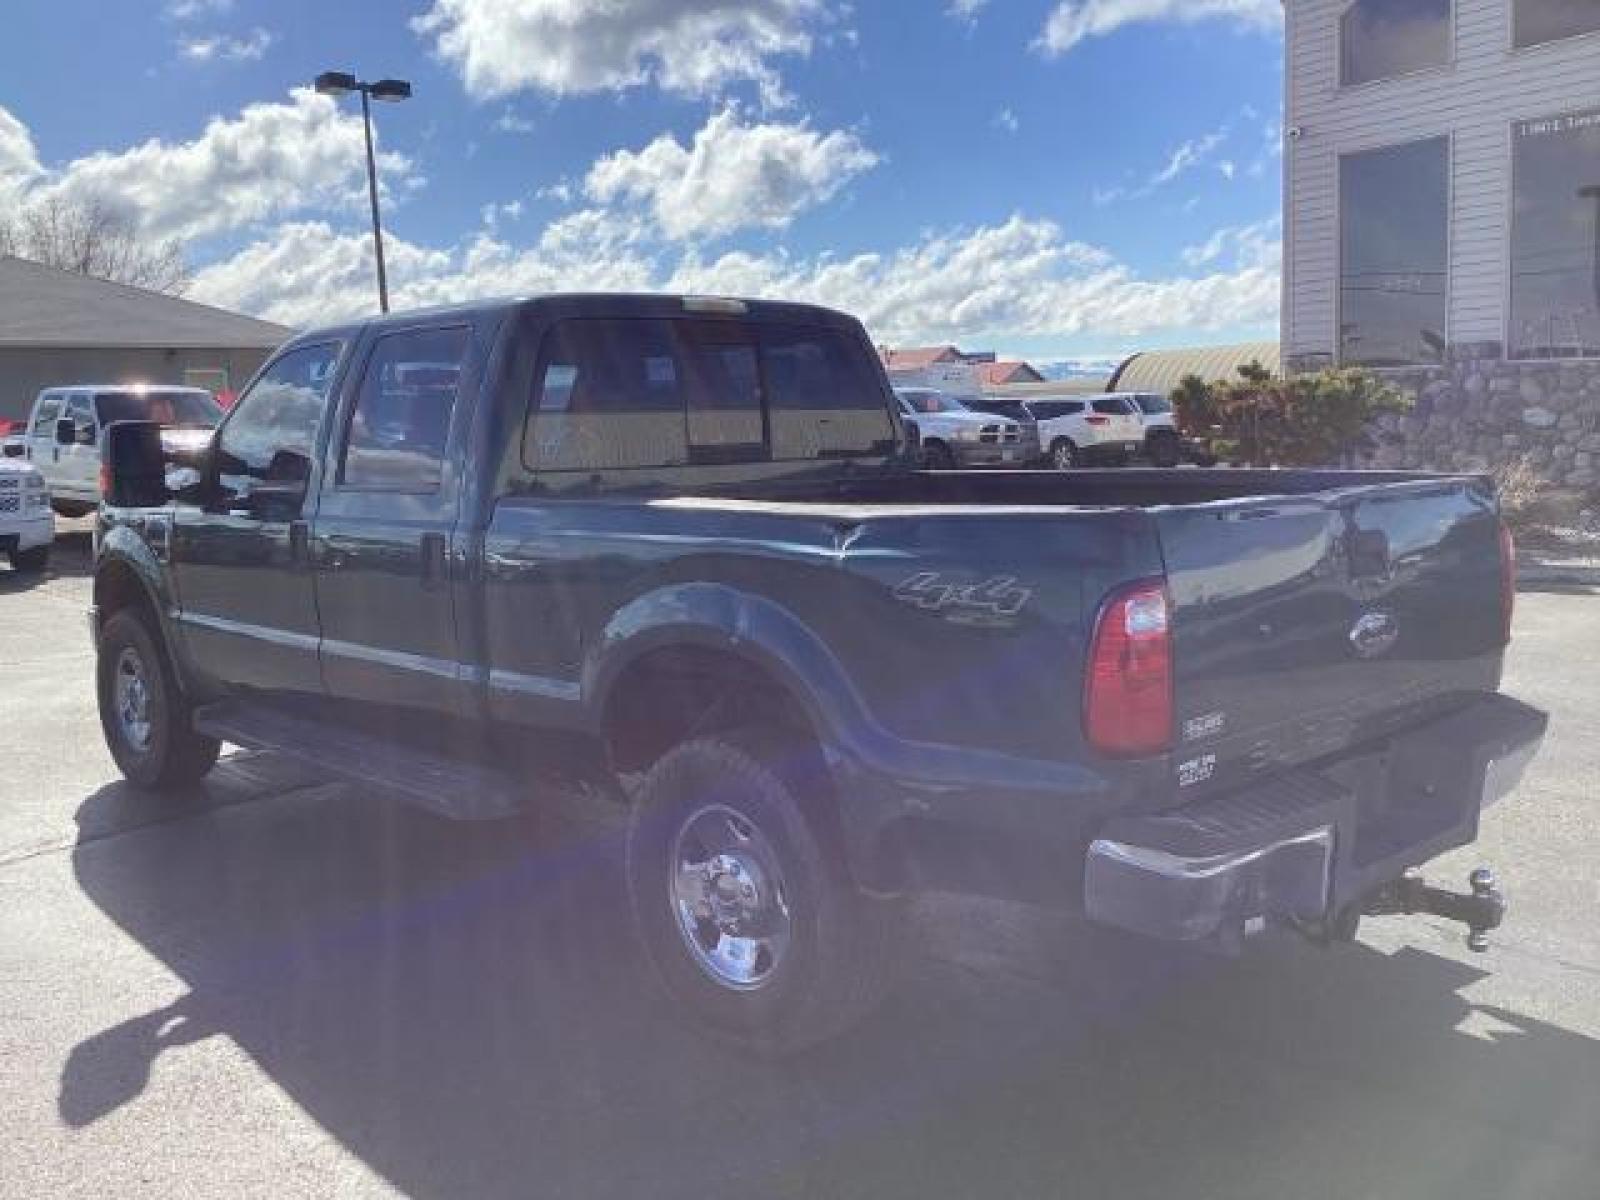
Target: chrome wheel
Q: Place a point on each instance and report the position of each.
(132, 695)
(728, 897)
(1063, 455)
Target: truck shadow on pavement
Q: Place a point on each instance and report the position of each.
(463, 1008)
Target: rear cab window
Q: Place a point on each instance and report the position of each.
(1114, 406)
(631, 393)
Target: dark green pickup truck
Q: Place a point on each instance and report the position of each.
(674, 553)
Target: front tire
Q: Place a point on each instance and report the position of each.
(31, 562)
(1164, 450)
(144, 717)
(744, 904)
(936, 456)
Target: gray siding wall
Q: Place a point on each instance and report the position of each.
(25, 372)
(1474, 100)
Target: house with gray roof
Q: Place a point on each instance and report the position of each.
(59, 327)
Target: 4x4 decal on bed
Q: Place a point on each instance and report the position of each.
(993, 601)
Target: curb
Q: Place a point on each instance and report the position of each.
(1572, 575)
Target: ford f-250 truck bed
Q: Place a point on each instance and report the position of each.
(672, 550)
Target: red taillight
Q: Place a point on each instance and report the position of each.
(105, 482)
(1508, 579)
(1097, 420)
(1127, 693)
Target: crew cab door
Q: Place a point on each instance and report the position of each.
(240, 558)
(43, 449)
(384, 535)
(78, 465)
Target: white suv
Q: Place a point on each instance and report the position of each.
(1083, 430)
(1163, 445)
(27, 526)
(63, 434)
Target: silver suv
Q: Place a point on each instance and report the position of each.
(954, 436)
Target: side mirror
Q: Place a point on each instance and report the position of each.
(133, 465)
(66, 431)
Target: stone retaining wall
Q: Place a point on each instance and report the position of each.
(1478, 411)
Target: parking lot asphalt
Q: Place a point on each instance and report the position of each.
(286, 988)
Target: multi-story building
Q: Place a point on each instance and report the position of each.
(1442, 183)
(1442, 198)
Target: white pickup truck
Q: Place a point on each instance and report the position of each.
(63, 434)
(27, 526)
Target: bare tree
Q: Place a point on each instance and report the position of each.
(91, 237)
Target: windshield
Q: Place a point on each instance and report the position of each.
(932, 402)
(167, 408)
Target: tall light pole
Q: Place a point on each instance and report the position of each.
(342, 83)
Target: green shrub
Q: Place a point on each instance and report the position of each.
(1303, 421)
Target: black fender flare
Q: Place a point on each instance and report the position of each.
(124, 552)
(753, 628)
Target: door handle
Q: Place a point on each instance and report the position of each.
(299, 544)
(432, 549)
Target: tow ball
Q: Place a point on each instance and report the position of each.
(1480, 910)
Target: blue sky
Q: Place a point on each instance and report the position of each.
(1052, 179)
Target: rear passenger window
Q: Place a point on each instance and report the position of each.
(1115, 407)
(824, 396)
(401, 419)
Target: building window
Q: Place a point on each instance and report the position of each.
(1555, 237)
(1382, 38)
(1394, 214)
(1535, 22)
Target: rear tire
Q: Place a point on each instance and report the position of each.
(71, 509)
(145, 719)
(31, 562)
(1064, 454)
(744, 904)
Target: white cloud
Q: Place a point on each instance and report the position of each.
(510, 122)
(193, 10)
(225, 47)
(1074, 21)
(1228, 168)
(1007, 120)
(19, 161)
(732, 175)
(965, 10)
(1257, 245)
(572, 46)
(1021, 278)
(1187, 156)
(270, 161)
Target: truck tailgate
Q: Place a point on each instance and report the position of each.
(1306, 625)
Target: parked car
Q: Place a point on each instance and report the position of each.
(953, 435)
(1163, 443)
(669, 554)
(27, 526)
(64, 430)
(1076, 431)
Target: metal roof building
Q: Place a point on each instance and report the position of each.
(58, 327)
(1159, 371)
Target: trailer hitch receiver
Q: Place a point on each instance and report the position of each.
(1480, 910)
